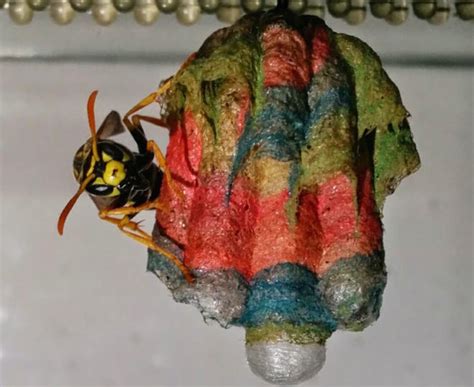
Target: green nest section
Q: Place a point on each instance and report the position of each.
(348, 104)
(295, 334)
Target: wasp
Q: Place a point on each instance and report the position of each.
(120, 182)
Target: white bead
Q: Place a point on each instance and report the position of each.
(424, 9)
(270, 4)
(465, 9)
(230, 3)
(441, 14)
(167, 6)
(381, 8)
(124, 5)
(38, 5)
(358, 3)
(229, 11)
(355, 15)
(104, 12)
(338, 8)
(209, 6)
(297, 6)
(316, 11)
(229, 14)
(80, 5)
(61, 12)
(252, 5)
(439, 17)
(315, 8)
(188, 12)
(146, 12)
(20, 12)
(399, 13)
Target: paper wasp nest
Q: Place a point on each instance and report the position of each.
(285, 138)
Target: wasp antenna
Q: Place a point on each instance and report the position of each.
(67, 209)
(91, 116)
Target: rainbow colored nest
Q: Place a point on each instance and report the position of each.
(285, 138)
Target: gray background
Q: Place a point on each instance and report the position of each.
(80, 310)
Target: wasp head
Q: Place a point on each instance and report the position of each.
(110, 170)
(101, 167)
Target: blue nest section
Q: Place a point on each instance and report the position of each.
(347, 296)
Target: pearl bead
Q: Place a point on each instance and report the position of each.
(167, 6)
(20, 12)
(297, 6)
(315, 8)
(146, 12)
(104, 12)
(465, 9)
(188, 12)
(398, 16)
(228, 14)
(81, 5)
(251, 6)
(2, 3)
(424, 9)
(338, 8)
(61, 12)
(381, 8)
(38, 5)
(210, 6)
(230, 3)
(267, 4)
(124, 5)
(441, 14)
(355, 15)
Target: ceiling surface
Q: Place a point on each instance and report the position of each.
(81, 310)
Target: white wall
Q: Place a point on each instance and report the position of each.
(80, 310)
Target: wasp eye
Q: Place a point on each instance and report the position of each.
(82, 163)
(100, 189)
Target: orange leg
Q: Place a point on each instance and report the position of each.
(152, 97)
(123, 223)
(133, 230)
(149, 99)
(133, 210)
(134, 123)
(136, 118)
(152, 146)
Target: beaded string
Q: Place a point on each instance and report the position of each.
(188, 12)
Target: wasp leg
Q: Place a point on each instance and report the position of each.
(152, 146)
(134, 210)
(134, 126)
(133, 230)
(152, 97)
(136, 118)
(149, 99)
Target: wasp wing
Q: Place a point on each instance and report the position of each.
(111, 126)
(104, 203)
